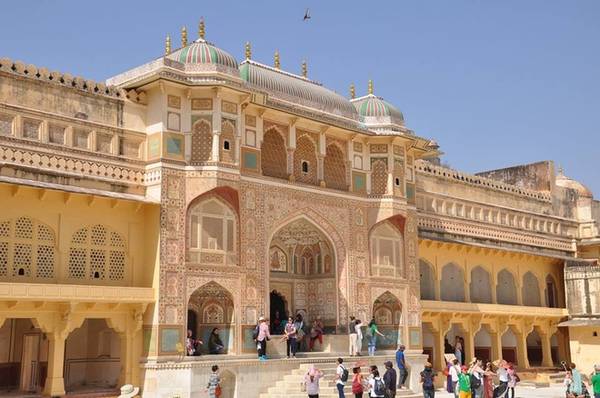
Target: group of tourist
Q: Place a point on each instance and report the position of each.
(477, 380)
(293, 333)
(374, 384)
(575, 385)
(355, 336)
(193, 344)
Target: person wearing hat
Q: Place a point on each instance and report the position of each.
(595, 381)
(129, 391)
(428, 381)
(262, 338)
(389, 380)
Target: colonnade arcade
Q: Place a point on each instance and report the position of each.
(58, 347)
(523, 340)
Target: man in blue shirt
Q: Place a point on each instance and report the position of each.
(402, 371)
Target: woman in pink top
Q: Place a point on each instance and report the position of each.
(311, 381)
(262, 338)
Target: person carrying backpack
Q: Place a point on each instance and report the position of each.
(357, 383)
(376, 385)
(341, 377)
(427, 380)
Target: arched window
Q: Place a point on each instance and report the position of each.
(551, 293)
(305, 156)
(201, 141)
(452, 284)
(506, 289)
(273, 158)
(334, 166)
(212, 232)
(227, 141)
(386, 250)
(27, 249)
(480, 288)
(379, 172)
(97, 253)
(427, 280)
(531, 290)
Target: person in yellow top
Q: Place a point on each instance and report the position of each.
(464, 383)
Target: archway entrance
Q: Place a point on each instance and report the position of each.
(211, 307)
(387, 312)
(509, 346)
(483, 345)
(92, 358)
(23, 357)
(454, 343)
(302, 273)
(534, 348)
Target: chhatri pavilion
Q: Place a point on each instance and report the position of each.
(197, 191)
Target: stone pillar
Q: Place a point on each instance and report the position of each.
(522, 359)
(546, 348)
(321, 158)
(494, 283)
(439, 362)
(320, 169)
(126, 357)
(216, 127)
(496, 345)
(55, 382)
(467, 285)
(469, 345)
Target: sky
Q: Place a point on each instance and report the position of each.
(495, 83)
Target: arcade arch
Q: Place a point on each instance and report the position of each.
(427, 275)
(302, 273)
(480, 287)
(452, 285)
(212, 306)
(387, 312)
(531, 290)
(551, 292)
(506, 288)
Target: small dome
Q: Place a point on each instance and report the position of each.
(202, 52)
(374, 109)
(566, 182)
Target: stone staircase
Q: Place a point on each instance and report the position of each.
(291, 387)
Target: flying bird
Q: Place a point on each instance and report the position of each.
(306, 15)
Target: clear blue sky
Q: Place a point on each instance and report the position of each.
(496, 83)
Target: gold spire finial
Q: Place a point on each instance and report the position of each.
(183, 37)
(370, 86)
(168, 45)
(248, 50)
(352, 91)
(277, 61)
(304, 69)
(201, 29)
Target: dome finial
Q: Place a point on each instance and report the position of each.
(248, 50)
(201, 28)
(561, 171)
(304, 69)
(277, 61)
(370, 86)
(184, 37)
(352, 91)
(168, 45)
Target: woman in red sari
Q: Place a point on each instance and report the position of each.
(488, 381)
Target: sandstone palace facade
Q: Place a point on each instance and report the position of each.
(197, 191)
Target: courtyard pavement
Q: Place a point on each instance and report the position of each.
(555, 391)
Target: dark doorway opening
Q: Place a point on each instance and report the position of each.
(192, 323)
(278, 312)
